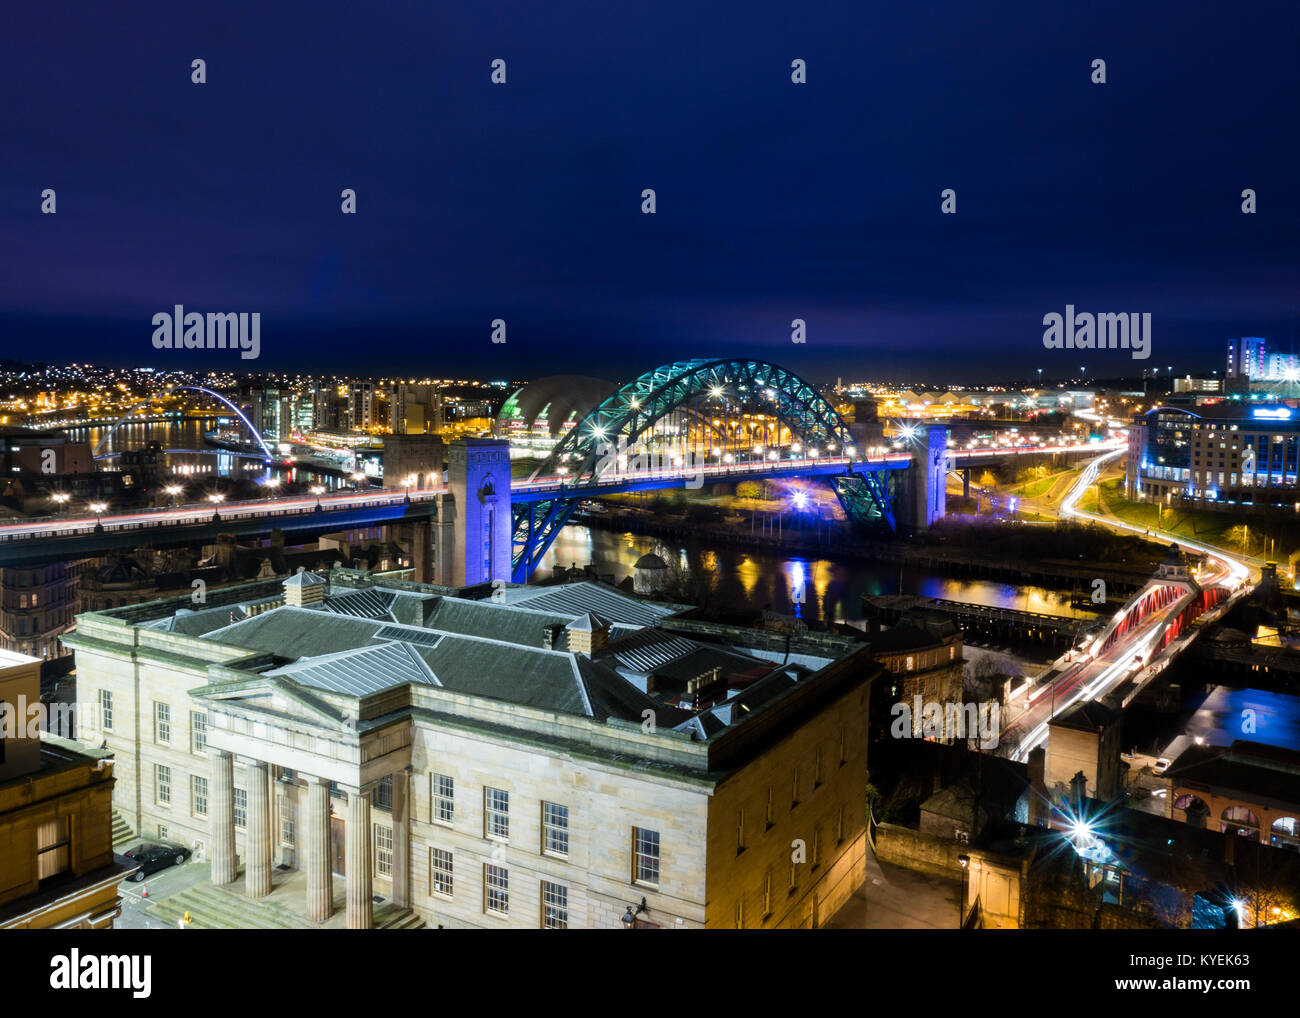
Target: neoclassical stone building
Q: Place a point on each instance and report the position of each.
(549, 757)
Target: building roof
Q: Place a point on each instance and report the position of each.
(306, 578)
(362, 671)
(575, 599)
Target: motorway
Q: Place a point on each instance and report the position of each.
(1084, 677)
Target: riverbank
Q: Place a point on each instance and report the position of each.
(945, 556)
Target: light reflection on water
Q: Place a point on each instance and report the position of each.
(197, 466)
(760, 580)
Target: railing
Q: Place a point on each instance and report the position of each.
(197, 514)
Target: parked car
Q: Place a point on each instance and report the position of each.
(155, 857)
(1161, 765)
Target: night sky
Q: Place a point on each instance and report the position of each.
(775, 201)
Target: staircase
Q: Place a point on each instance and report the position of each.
(122, 833)
(215, 908)
(389, 917)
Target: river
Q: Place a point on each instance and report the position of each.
(759, 580)
(187, 433)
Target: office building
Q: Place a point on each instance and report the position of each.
(552, 757)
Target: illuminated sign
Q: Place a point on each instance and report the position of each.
(1271, 413)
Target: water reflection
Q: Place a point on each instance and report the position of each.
(758, 580)
(201, 463)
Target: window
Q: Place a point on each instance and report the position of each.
(288, 818)
(817, 847)
(162, 831)
(382, 796)
(496, 889)
(794, 788)
(198, 732)
(645, 854)
(839, 826)
(106, 710)
(740, 831)
(817, 767)
(383, 851)
(198, 795)
(767, 894)
(496, 813)
(769, 813)
(555, 906)
(794, 876)
(842, 746)
(555, 828)
(162, 722)
(740, 915)
(53, 848)
(442, 796)
(162, 784)
(241, 807)
(440, 872)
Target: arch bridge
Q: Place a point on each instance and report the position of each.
(100, 452)
(691, 422)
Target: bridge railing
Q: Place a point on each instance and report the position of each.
(189, 514)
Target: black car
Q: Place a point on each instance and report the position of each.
(153, 858)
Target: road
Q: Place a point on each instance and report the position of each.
(1085, 677)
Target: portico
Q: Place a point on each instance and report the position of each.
(321, 762)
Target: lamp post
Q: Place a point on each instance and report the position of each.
(98, 508)
(961, 902)
(61, 499)
(173, 490)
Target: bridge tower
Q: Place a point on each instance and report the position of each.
(927, 477)
(478, 476)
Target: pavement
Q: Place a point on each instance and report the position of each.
(893, 898)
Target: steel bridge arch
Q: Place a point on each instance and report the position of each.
(636, 406)
(145, 403)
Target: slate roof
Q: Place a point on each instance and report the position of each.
(609, 603)
(306, 578)
(491, 620)
(361, 671)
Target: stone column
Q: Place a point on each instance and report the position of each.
(320, 883)
(401, 838)
(257, 848)
(222, 823)
(360, 882)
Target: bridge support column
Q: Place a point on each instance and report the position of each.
(927, 477)
(478, 474)
(965, 483)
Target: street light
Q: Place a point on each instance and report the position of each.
(961, 904)
(173, 490)
(629, 917)
(61, 497)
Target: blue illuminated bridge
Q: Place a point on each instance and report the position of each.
(684, 424)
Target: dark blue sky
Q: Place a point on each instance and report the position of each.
(775, 201)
